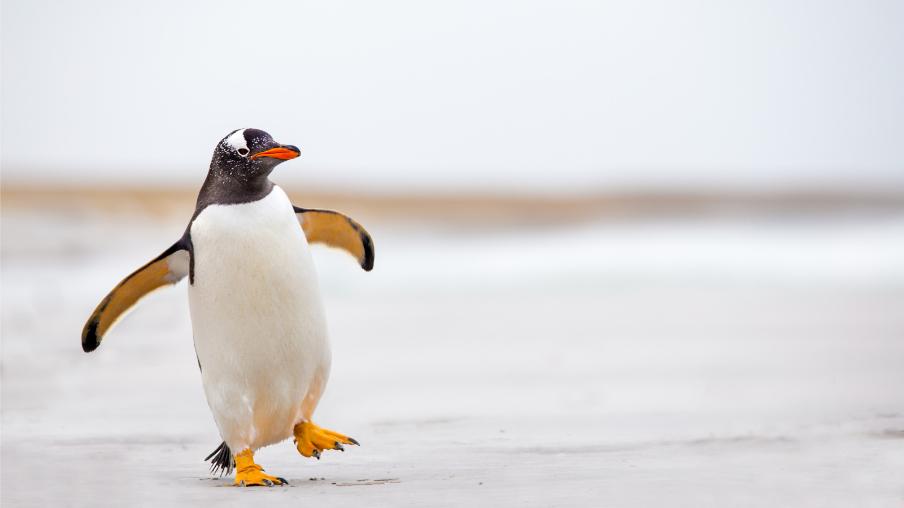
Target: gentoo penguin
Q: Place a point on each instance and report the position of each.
(259, 328)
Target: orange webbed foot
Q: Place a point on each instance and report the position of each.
(250, 474)
(311, 439)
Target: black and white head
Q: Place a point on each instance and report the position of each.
(248, 155)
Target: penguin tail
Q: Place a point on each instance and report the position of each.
(221, 460)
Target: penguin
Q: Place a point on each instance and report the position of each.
(258, 322)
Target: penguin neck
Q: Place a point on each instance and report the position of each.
(230, 189)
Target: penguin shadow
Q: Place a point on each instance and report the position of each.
(302, 482)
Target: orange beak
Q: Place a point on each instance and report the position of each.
(277, 153)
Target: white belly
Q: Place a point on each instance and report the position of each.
(258, 322)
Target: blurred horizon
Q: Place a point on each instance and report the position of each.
(317, 182)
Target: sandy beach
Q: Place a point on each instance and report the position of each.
(649, 360)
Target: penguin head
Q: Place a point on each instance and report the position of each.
(249, 154)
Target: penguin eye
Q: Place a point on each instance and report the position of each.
(243, 151)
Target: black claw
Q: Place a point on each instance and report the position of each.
(317, 454)
(354, 442)
(283, 480)
(339, 447)
(268, 482)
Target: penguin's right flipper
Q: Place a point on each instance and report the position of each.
(166, 269)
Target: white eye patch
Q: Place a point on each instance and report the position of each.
(237, 142)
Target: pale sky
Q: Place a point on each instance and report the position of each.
(479, 95)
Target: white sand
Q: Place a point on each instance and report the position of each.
(680, 363)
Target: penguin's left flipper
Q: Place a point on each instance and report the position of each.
(166, 269)
(337, 230)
